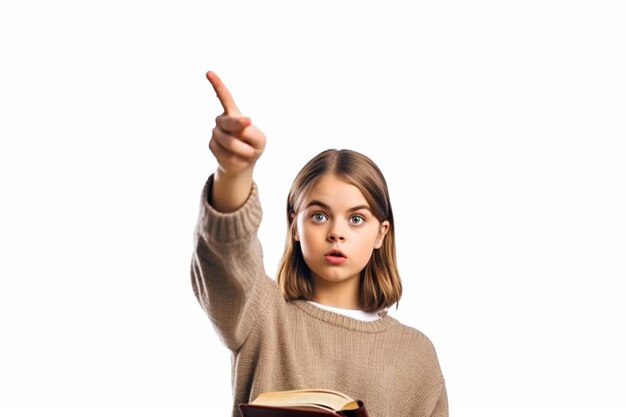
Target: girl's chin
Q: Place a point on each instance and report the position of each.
(332, 278)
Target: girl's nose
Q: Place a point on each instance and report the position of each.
(333, 236)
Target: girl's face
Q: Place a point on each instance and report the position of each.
(337, 234)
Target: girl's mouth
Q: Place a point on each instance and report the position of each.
(335, 257)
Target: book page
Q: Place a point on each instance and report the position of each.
(330, 399)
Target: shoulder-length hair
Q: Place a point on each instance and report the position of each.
(380, 285)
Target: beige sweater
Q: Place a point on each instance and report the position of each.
(280, 345)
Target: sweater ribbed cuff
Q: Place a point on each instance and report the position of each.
(227, 227)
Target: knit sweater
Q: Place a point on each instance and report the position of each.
(280, 345)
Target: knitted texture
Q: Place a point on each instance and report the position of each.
(281, 345)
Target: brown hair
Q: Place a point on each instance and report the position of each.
(381, 286)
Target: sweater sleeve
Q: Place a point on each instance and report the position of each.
(227, 268)
(441, 405)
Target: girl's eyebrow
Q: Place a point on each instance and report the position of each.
(327, 207)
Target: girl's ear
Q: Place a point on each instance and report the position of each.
(384, 228)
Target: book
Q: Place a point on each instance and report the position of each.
(311, 402)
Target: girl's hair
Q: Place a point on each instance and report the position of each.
(380, 281)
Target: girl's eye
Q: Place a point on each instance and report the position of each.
(356, 219)
(318, 217)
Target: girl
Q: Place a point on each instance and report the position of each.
(322, 322)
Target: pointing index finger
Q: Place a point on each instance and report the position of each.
(227, 101)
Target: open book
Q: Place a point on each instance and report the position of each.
(312, 402)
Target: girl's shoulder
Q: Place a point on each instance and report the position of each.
(412, 336)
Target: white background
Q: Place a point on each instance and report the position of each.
(500, 127)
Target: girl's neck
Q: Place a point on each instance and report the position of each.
(344, 294)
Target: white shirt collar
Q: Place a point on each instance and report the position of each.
(355, 314)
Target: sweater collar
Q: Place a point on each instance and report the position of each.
(355, 314)
(346, 322)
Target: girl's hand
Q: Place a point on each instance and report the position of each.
(235, 142)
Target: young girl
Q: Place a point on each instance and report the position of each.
(323, 321)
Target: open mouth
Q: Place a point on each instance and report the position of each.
(335, 254)
(335, 257)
